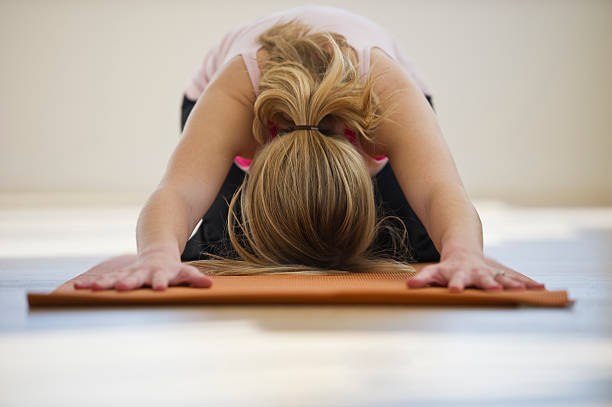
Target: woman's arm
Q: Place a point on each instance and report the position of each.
(422, 161)
(428, 176)
(219, 128)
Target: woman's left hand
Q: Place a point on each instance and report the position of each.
(464, 268)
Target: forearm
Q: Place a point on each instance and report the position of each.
(163, 224)
(452, 221)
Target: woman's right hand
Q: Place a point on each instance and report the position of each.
(157, 270)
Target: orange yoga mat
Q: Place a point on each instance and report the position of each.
(357, 288)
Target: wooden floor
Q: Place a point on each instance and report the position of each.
(306, 355)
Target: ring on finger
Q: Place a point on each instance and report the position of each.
(498, 273)
(503, 273)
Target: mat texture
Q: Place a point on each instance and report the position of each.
(370, 288)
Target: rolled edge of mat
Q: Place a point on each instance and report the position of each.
(552, 299)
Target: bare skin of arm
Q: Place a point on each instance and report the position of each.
(218, 129)
(428, 176)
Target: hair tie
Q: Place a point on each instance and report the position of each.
(304, 127)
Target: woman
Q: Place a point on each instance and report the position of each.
(324, 138)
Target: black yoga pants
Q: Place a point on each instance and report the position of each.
(211, 236)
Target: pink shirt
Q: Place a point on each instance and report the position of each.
(361, 33)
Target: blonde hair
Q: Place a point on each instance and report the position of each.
(307, 203)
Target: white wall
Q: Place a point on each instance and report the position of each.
(91, 89)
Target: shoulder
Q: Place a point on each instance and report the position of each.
(399, 96)
(389, 76)
(389, 70)
(226, 108)
(234, 79)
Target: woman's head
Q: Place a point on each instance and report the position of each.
(307, 202)
(308, 199)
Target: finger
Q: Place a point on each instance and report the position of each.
(510, 283)
(534, 285)
(191, 275)
(105, 282)
(457, 282)
(425, 276)
(133, 280)
(85, 282)
(528, 282)
(487, 282)
(197, 278)
(109, 279)
(159, 281)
